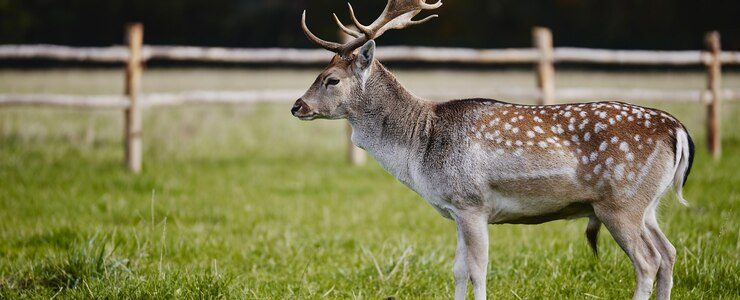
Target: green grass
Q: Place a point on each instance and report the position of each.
(246, 202)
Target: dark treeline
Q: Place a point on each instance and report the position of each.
(627, 24)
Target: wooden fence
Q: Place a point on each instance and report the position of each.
(543, 55)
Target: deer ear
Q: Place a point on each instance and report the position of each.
(365, 57)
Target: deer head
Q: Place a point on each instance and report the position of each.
(343, 80)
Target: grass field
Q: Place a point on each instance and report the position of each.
(247, 202)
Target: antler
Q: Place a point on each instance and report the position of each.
(398, 14)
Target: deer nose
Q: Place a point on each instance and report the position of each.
(297, 106)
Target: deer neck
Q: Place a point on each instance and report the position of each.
(390, 123)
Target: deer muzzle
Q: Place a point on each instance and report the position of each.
(301, 110)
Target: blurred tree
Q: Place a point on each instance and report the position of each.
(630, 24)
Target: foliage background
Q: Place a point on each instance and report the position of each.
(624, 24)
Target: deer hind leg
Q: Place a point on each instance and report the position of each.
(667, 254)
(630, 233)
(592, 234)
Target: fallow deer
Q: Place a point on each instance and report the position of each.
(482, 161)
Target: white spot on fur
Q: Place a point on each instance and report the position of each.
(594, 155)
(542, 144)
(538, 129)
(609, 161)
(624, 147)
(587, 136)
(619, 171)
(597, 169)
(603, 145)
(630, 156)
(599, 127)
(557, 129)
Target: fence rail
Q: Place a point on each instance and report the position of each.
(119, 54)
(543, 55)
(118, 102)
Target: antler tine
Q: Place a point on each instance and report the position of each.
(417, 22)
(366, 30)
(397, 14)
(425, 5)
(331, 46)
(345, 29)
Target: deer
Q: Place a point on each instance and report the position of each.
(484, 161)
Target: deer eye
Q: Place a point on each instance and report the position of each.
(331, 81)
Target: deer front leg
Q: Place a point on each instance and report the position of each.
(460, 269)
(473, 244)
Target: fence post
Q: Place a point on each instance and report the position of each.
(542, 40)
(132, 125)
(355, 155)
(714, 82)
